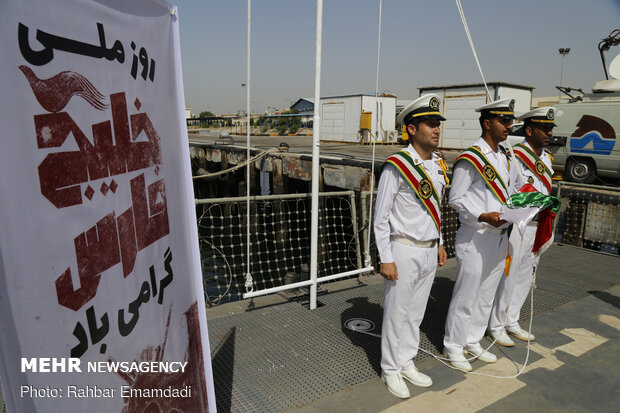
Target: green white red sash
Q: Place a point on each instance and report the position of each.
(421, 184)
(534, 164)
(491, 178)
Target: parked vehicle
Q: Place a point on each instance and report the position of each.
(584, 140)
(517, 135)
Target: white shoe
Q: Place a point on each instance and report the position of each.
(480, 353)
(458, 360)
(396, 386)
(413, 376)
(501, 338)
(520, 333)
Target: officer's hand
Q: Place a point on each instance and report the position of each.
(442, 255)
(388, 271)
(492, 218)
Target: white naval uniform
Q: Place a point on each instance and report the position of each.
(480, 251)
(399, 213)
(520, 269)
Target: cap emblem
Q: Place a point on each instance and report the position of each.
(511, 105)
(434, 103)
(550, 114)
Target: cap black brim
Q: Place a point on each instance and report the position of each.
(508, 117)
(432, 117)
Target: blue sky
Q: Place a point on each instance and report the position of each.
(423, 43)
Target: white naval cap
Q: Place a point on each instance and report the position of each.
(424, 107)
(504, 108)
(545, 115)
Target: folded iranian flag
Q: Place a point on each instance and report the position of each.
(523, 206)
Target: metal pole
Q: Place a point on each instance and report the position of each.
(306, 283)
(269, 197)
(248, 280)
(562, 72)
(316, 141)
(372, 167)
(561, 77)
(563, 51)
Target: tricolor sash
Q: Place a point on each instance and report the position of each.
(534, 164)
(491, 178)
(421, 184)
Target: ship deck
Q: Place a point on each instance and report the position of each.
(273, 354)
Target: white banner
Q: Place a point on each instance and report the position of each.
(101, 299)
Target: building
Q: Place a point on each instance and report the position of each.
(462, 129)
(304, 106)
(545, 101)
(358, 118)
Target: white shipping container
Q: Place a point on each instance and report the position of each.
(341, 116)
(459, 102)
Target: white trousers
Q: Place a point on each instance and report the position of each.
(405, 303)
(481, 259)
(513, 290)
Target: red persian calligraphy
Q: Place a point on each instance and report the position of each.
(97, 249)
(193, 376)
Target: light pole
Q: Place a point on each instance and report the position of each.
(241, 111)
(288, 103)
(563, 51)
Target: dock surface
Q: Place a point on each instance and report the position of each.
(272, 354)
(303, 145)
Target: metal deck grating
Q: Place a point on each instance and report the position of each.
(281, 357)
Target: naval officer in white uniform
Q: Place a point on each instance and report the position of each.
(480, 185)
(531, 166)
(408, 235)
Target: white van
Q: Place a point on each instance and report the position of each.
(584, 143)
(516, 136)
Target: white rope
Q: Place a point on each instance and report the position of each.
(238, 166)
(367, 259)
(471, 44)
(445, 361)
(512, 153)
(351, 325)
(249, 282)
(229, 280)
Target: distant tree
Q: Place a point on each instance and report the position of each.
(295, 123)
(282, 129)
(206, 114)
(282, 126)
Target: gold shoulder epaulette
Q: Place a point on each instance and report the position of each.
(442, 164)
(549, 153)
